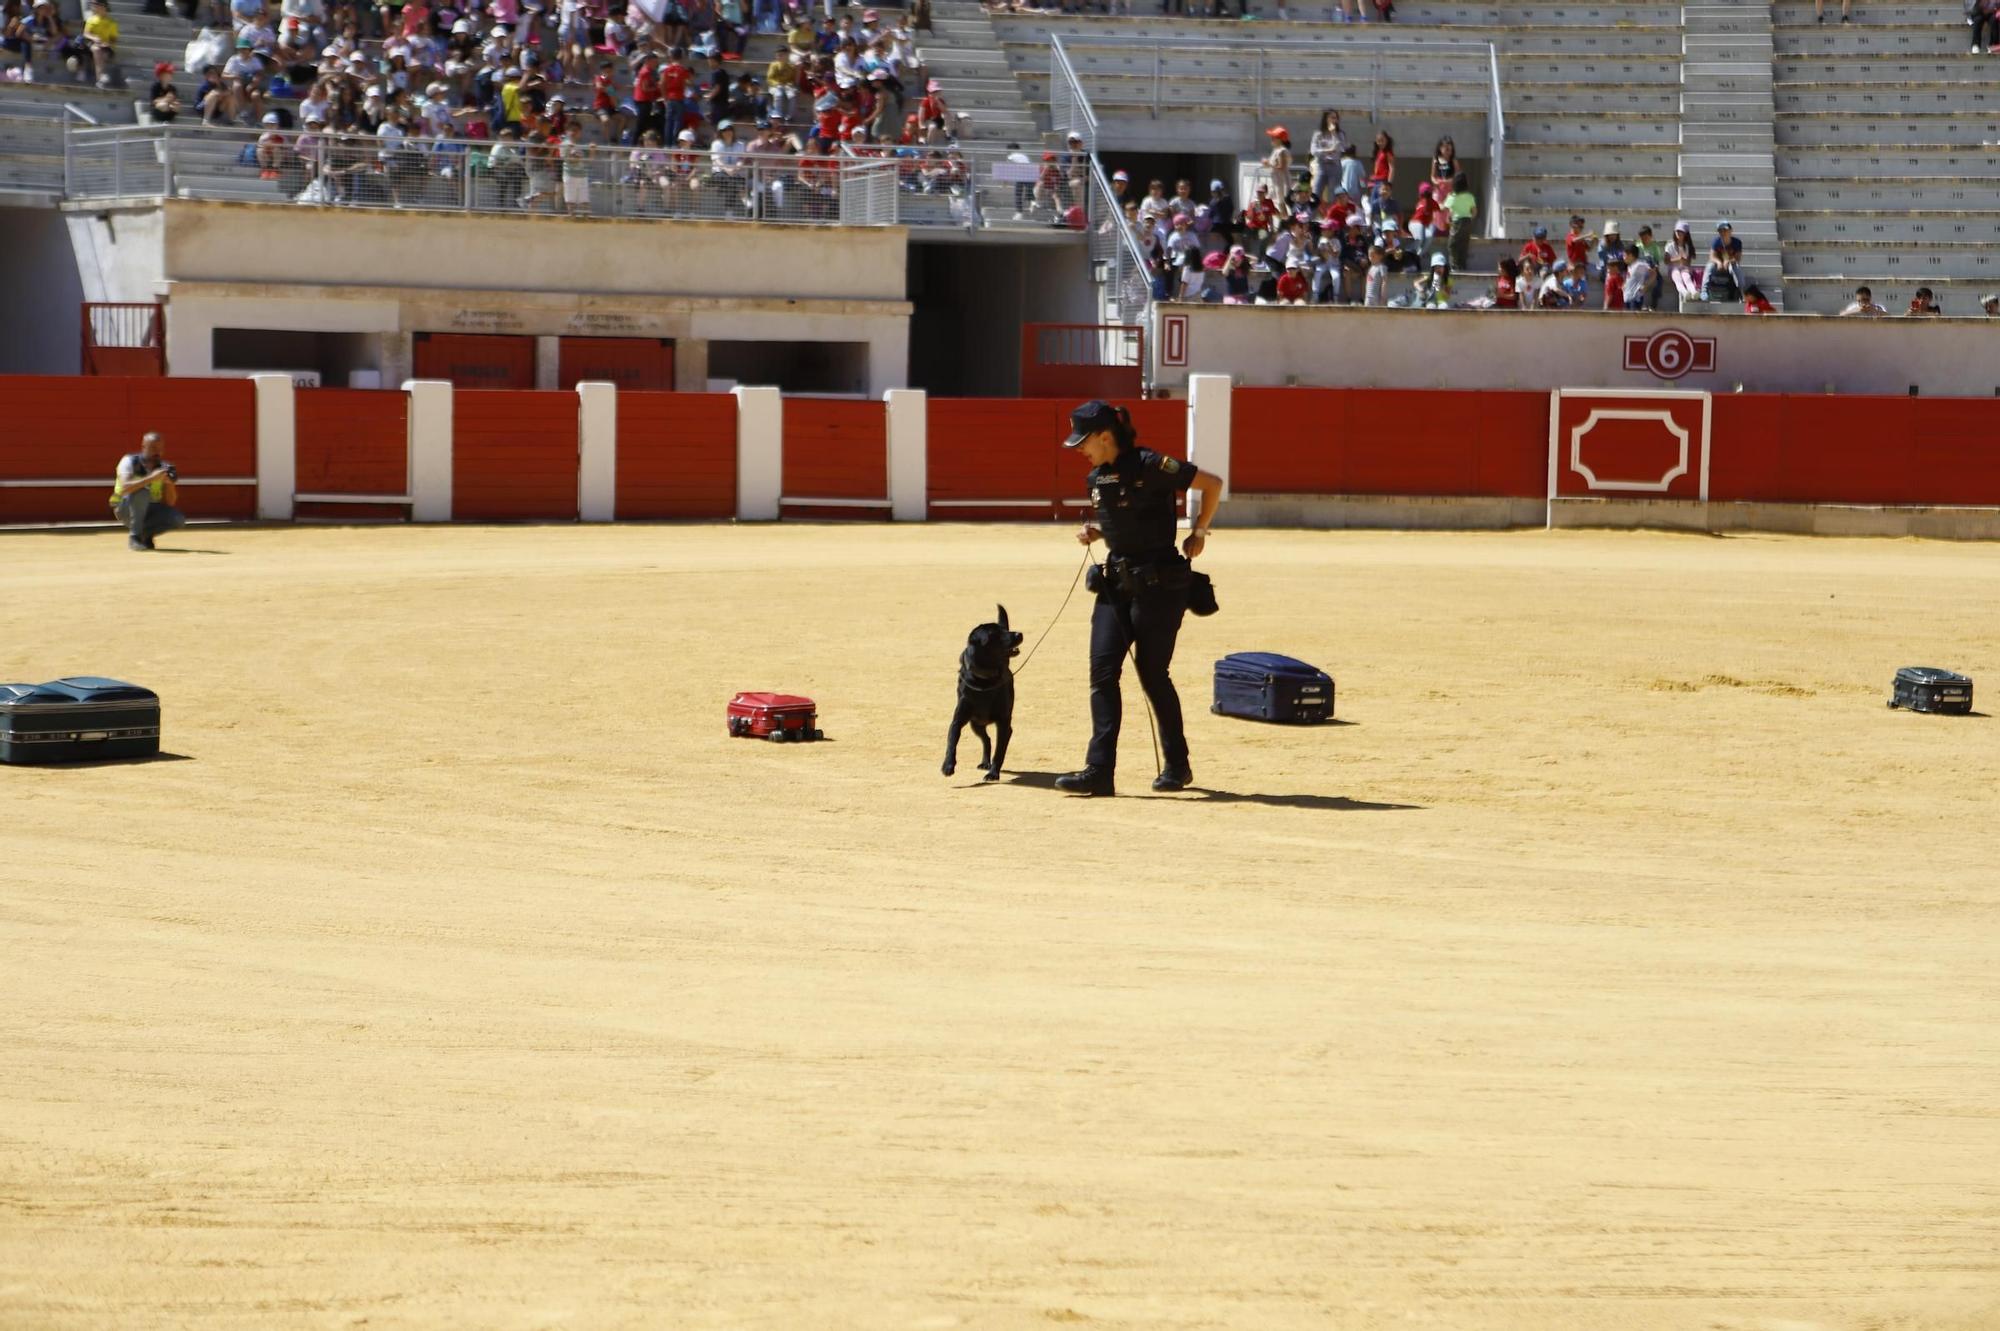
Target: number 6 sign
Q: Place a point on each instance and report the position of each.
(1670, 353)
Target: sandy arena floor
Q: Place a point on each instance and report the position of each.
(1622, 963)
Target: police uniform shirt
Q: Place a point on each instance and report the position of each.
(1138, 499)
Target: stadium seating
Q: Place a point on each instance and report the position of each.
(1846, 153)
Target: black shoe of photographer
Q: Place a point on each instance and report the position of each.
(1089, 781)
(1175, 776)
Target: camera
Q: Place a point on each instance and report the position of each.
(173, 472)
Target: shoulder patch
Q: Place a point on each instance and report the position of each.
(1169, 465)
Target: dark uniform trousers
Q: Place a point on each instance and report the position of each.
(1144, 597)
(1147, 623)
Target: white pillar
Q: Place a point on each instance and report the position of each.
(909, 468)
(597, 451)
(1208, 425)
(548, 362)
(760, 453)
(430, 449)
(277, 446)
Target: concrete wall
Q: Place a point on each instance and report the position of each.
(243, 242)
(253, 266)
(43, 328)
(1334, 346)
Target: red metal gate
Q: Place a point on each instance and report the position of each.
(1082, 361)
(124, 338)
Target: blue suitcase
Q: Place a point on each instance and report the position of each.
(1264, 686)
(84, 719)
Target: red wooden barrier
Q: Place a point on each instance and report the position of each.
(76, 429)
(1011, 449)
(836, 448)
(352, 441)
(1382, 441)
(676, 455)
(513, 455)
(1804, 449)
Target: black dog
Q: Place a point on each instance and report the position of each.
(985, 695)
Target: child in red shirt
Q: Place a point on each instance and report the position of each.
(1576, 245)
(1614, 285)
(1539, 250)
(1291, 286)
(1756, 302)
(1507, 286)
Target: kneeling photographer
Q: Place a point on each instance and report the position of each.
(1143, 586)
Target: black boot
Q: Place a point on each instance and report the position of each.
(1175, 776)
(1089, 781)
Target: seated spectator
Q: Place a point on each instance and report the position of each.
(163, 102)
(1991, 305)
(1755, 301)
(1538, 249)
(1375, 286)
(1863, 305)
(1575, 284)
(1236, 277)
(1221, 212)
(1726, 244)
(1680, 260)
(1923, 304)
(1507, 286)
(1615, 278)
(1424, 220)
(1551, 293)
(1433, 290)
(1291, 285)
(100, 39)
(1610, 246)
(1719, 280)
(1641, 278)
(1260, 217)
(1984, 16)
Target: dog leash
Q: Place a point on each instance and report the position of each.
(1059, 612)
(1131, 651)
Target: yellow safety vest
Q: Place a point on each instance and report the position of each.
(157, 489)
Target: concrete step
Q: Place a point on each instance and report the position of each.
(1813, 294)
(1574, 127)
(1875, 193)
(1872, 42)
(1868, 259)
(1943, 130)
(1866, 163)
(1824, 99)
(1899, 228)
(1590, 192)
(1572, 159)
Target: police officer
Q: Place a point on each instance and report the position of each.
(1142, 587)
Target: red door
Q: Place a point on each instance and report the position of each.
(476, 360)
(634, 363)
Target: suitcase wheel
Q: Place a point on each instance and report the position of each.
(777, 737)
(1215, 707)
(816, 734)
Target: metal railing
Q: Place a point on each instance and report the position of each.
(360, 171)
(924, 187)
(1124, 275)
(1496, 152)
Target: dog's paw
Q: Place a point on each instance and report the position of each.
(992, 774)
(985, 764)
(949, 768)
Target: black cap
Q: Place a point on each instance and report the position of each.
(1088, 419)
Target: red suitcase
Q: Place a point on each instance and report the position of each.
(779, 716)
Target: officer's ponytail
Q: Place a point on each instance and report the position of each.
(1122, 431)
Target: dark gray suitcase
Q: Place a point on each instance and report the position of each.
(1929, 689)
(1264, 686)
(83, 719)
